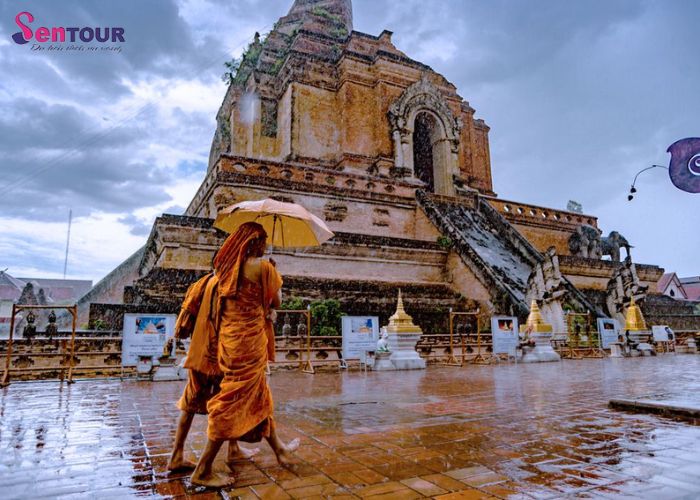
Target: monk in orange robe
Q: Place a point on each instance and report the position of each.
(204, 374)
(249, 288)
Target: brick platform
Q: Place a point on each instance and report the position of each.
(476, 432)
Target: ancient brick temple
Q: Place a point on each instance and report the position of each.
(387, 152)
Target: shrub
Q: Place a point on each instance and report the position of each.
(292, 303)
(444, 242)
(325, 314)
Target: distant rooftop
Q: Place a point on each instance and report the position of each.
(57, 291)
(689, 287)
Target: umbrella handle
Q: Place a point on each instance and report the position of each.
(272, 239)
(274, 227)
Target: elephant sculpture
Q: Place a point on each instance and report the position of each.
(611, 244)
(585, 242)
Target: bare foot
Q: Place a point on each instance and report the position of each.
(178, 464)
(242, 453)
(239, 453)
(212, 480)
(286, 452)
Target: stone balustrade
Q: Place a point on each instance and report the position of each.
(518, 213)
(378, 181)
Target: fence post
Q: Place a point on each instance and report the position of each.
(6, 376)
(308, 366)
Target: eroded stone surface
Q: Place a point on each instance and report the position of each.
(475, 432)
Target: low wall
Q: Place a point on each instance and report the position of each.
(96, 354)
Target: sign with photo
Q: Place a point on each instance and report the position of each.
(360, 334)
(145, 335)
(662, 333)
(609, 330)
(505, 334)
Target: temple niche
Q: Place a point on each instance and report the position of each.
(387, 152)
(426, 137)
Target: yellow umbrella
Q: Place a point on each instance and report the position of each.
(287, 224)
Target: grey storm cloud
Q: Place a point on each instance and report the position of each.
(136, 225)
(55, 154)
(140, 227)
(41, 166)
(158, 40)
(32, 124)
(86, 184)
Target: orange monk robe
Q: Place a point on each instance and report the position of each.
(202, 354)
(205, 376)
(190, 307)
(272, 284)
(243, 408)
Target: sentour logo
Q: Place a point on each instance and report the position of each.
(63, 34)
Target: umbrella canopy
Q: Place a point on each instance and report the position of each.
(287, 224)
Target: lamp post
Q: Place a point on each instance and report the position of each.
(633, 189)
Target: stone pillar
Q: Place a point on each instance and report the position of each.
(407, 152)
(398, 150)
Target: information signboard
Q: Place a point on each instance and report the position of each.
(609, 330)
(360, 334)
(145, 335)
(505, 334)
(662, 333)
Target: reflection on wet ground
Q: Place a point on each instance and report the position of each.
(508, 431)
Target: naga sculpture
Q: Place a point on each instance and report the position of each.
(546, 285)
(623, 285)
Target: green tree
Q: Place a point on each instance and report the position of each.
(325, 315)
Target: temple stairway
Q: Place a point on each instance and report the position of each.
(491, 248)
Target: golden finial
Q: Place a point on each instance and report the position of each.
(535, 323)
(634, 321)
(400, 321)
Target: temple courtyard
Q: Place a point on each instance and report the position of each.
(500, 431)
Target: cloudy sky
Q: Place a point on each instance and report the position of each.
(580, 95)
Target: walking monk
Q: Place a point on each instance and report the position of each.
(249, 289)
(195, 319)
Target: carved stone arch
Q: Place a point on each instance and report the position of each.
(424, 98)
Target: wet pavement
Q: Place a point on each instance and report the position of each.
(506, 431)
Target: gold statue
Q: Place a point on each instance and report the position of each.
(634, 321)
